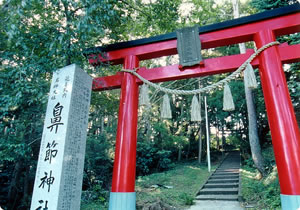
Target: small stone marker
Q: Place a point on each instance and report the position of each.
(59, 174)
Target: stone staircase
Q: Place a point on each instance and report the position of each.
(224, 183)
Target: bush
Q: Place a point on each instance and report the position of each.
(145, 158)
(150, 159)
(164, 161)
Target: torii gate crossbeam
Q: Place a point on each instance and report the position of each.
(261, 28)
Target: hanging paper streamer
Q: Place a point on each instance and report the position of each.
(195, 110)
(249, 77)
(228, 104)
(144, 96)
(166, 108)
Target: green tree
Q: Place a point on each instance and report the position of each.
(252, 119)
(37, 38)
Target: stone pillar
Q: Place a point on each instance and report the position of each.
(59, 174)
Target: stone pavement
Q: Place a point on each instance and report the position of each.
(216, 205)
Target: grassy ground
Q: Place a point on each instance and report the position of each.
(261, 193)
(185, 180)
(93, 206)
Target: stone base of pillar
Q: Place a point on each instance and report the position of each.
(122, 201)
(290, 202)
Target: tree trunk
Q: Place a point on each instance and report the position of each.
(252, 119)
(200, 144)
(179, 154)
(253, 135)
(189, 149)
(223, 137)
(217, 138)
(13, 188)
(102, 124)
(26, 187)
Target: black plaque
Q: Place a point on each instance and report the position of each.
(189, 46)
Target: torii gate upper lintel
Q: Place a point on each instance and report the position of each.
(261, 28)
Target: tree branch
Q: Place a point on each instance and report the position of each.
(135, 8)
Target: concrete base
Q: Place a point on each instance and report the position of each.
(214, 205)
(122, 201)
(290, 202)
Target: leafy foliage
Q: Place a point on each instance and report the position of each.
(151, 159)
(270, 4)
(38, 37)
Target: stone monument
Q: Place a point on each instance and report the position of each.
(59, 174)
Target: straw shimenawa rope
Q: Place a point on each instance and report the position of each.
(207, 88)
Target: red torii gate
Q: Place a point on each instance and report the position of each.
(261, 28)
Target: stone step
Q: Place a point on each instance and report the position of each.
(224, 182)
(228, 170)
(217, 197)
(232, 163)
(218, 191)
(226, 173)
(221, 185)
(211, 181)
(229, 167)
(224, 177)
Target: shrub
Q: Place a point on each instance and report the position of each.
(145, 158)
(164, 161)
(150, 159)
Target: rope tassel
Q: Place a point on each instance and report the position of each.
(144, 96)
(228, 104)
(249, 77)
(195, 109)
(166, 108)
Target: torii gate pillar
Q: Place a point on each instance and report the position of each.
(261, 28)
(283, 125)
(122, 194)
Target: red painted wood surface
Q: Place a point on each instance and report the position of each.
(288, 54)
(244, 33)
(281, 117)
(125, 152)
